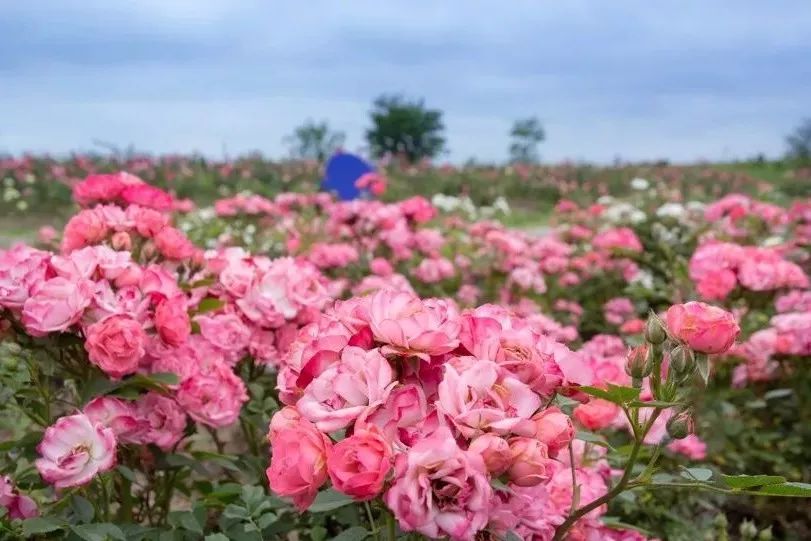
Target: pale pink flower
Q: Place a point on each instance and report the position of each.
(56, 305)
(74, 450)
(440, 490)
(410, 326)
(162, 420)
(213, 397)
(336, 397)
(117, 414)
(22, 269)
(692, 447)
(17, 506)
(172, 320)
(477, 399)
(226, 331)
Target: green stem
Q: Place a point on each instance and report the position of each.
(371, 518)
(391, 528)
(621, 485)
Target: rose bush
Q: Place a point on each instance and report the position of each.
(367, 369)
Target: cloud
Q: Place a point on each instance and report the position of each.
(682, 80)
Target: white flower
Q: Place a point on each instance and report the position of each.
(640, 184)
(624, 212)
(773, 241)
(695, 206)
(671, 210)
(605, 200)
(643, 278)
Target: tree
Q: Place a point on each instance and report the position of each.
(799, 142)
(526, 134)
(314, 141)
(405, 127)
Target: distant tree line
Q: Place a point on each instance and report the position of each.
(409, 130)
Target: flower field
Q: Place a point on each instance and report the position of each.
(198, 350)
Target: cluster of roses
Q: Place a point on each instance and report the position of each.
(130, 313)
(410, 400)
(718, 268)
(734, 213)
(788, 334)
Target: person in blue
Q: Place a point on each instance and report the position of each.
(341, 175)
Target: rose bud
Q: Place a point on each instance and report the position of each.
(704, 328)
(682, 361)
(654, 332)
(637, 364)
(680, 425)
(121, 241)
(495, 452)
(530, 462)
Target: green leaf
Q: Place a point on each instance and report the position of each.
(164, 378)
(329, 500)
(186, 520)
(126, 473)
(216, 537)
(750, 481)
(591, 437)
(500, 485)
(209, 304)
(660, 404)
(512, 536)
(355, 533)
(613, 393)
(697, 474)
(778, 393)
(797, 490)
(98, 532)
(703, 365)
(38, 525)
(82, 508)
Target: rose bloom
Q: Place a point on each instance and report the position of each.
(298, 461)
(173, 244)
(440, 490)
(97, 188)
(335, 398)
(18, 506)
(494, 450)
(226, 331)
(692, 447)
(359, 464)
(84, 228)
(411, 326)
(172, 320)
(213, 397)
(73, 450)
(530, 462)
(22, 269)
(554, 428)
(147, 196)
(118, 414)
(56, 305)
(596, 413)
(115, 344)
(704, 328)
(162, 419)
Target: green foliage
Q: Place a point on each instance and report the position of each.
(404, 127)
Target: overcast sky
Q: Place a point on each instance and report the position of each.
(681, 79)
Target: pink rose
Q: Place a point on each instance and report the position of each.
(147, 196)
(704, 328)
(155, 280)
(477, 399)
(411, 326)
(172, 320)
(359, 464)
(692, 447)
(495, 452)
(73, 450)
(717, 285)
(213, 397)
(162, 419)
(173, 244)
(380, 267)
(360, 380)
(298, 462)
(22, 269)
(226, 331)
(596, 413)
(440, 490)
(18, 506)
(97, 188)
(115, 344)
(84, 228)
(554, 428)
(56, 305)
(530, 462)
(117, 414)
